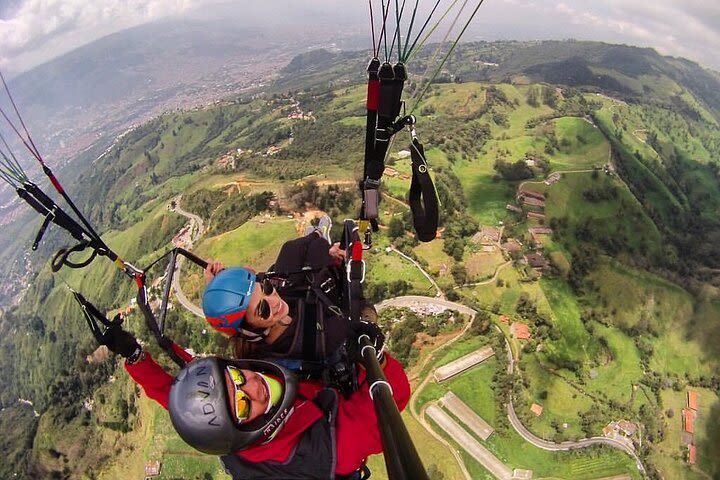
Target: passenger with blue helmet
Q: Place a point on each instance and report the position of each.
(295, 314)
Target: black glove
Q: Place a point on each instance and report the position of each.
(122, 343)
(373, 332)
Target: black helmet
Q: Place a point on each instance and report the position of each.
(200, 408)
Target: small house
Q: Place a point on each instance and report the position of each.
(688, 420)
(152, 468)
(520, 331)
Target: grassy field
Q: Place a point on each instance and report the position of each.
(490, 293)
(627, 297)
(432, 253)
(486, 199)
(621, 368)
(621, 217)
(561, 402)
(178, 459)
(474, 388)
(463, 99)
(671, 453)
(482, 265)
(389, 266)
(575, 342)
(583, 146)
(254, 243)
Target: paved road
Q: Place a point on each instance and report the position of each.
(196, 226)
(193, 218)
(620, 443)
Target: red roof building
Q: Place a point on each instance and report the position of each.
(531, 194)
(692, 454)
(532, 201)
(152, 468)
(627, 427)
(689, 420)
(520, 331)
(536, 260)
(692, 397)
(512, 246)
(536, 216)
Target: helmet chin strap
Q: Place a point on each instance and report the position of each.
(251, 336)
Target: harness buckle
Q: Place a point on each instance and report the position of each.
(327, 285)
(356, 271)
(371, 184)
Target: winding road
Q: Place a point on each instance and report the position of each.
(410, 301)
(197, 228)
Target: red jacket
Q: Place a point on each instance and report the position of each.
(357, 432)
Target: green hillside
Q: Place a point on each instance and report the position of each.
(619, 158)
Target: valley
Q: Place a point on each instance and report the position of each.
(577, 228)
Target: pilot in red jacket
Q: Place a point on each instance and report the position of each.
(277, 427)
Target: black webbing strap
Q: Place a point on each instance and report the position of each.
(308, 311)
(93, 316)
(422, 196)
(373, 98)
(384, 94)
(370, 182)
(151, 322)
(46, 206)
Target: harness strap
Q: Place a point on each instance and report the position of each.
(308, 316)
(61, 256)
(385, 87)
(423, 198)
(93, 316)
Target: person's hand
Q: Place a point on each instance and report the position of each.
(336, 252)
(213, 268)
(122, 343)
(374, 334)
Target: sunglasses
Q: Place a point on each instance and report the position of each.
(263, 309)
(242, 401)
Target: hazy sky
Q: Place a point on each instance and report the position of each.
(34, 31)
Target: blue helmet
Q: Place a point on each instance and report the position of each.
(226, 299)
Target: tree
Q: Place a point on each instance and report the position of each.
(434, 472)
(396, 228)
(532, 97)
(459, 273)
(513, 171)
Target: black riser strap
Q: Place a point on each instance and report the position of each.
(422, 196)
(60, 218)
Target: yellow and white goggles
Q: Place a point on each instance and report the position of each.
(241, 401)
